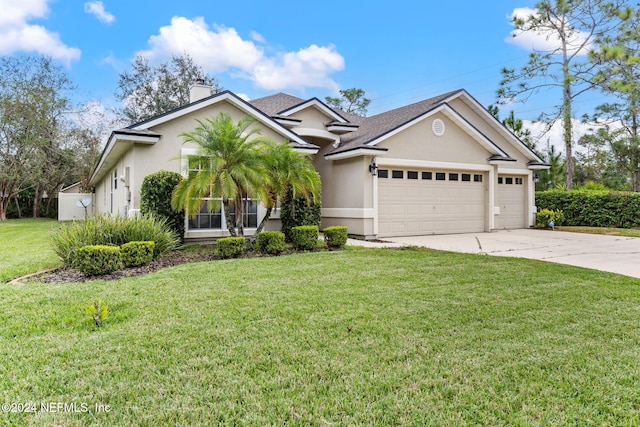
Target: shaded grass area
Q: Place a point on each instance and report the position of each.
(25, 247)
(625, 232)
(358, 337)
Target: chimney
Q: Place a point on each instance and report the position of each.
(198, 91)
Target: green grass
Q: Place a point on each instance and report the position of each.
(358, 337)
(625, 232)
(25, 247)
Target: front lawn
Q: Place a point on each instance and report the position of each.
(25, 247)
(625, 232)
(358, 337)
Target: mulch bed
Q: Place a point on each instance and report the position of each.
(168, 260)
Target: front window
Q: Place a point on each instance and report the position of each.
(214, 220)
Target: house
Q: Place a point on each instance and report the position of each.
(439, 166)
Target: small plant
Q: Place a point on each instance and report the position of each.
(96, 260)
(134, 254)
(336, 236)
(230, 247)
(305, 237)
(547, 218)
(98, 312)
(271, 242)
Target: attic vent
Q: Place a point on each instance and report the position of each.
(437, 127)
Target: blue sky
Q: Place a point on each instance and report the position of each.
(399, 52)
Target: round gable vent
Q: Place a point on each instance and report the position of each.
(438, 127)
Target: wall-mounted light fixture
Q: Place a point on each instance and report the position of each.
(373, 168)
(536, 178)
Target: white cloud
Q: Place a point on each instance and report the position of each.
(17, 35)
(257, 37)
(308, 67)
(545, 137)
(544, 41)
(221, 49)
(96, 8)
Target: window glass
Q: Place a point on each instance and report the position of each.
(509, 180)
(440, 176)
(383, 173)
(519, 181)
(453, 177)
(477, 178)
(397, 174)
(412, 175)
(426, 175)
(500, 180)
(466, 177)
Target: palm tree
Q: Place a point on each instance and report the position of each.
(230, 165)
(288, 169)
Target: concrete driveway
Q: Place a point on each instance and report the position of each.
(607, 253)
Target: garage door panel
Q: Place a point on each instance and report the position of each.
(413, 207)
(511, 199)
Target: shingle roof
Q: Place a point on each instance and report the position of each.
(273, 104)
(374, 127)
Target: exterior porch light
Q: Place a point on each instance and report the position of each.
(373, 168)
(536, 178)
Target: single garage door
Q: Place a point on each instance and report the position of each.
(511, 200)
(417, 202)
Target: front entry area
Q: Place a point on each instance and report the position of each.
(414, 202)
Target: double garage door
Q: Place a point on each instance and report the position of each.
(417, 202)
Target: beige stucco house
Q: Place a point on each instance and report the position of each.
(442, 165)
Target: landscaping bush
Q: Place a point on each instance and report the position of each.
(114, 231)
(305, 237)
(545, 216)
(271, 242)
(593, 208)
(96, 260)
(297, 212)
(134, 254)
(336, 236)
(230, 247)
(155, 199)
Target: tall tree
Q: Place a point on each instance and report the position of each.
(228, 167)
(619, 75)
(350, 101)
(573, 27)
(148, 90)
(554, 176)
(33, 101)
(516, 126)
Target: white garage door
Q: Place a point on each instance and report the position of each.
(511, 200)
(417, 202)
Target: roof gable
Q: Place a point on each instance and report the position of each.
(318, 105)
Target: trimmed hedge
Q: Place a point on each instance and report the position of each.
(305, 237)
(336, 236)
(271, 242)
(230, 247)
(134, 254)
(96, 260)
(593, 208)
(155, 199)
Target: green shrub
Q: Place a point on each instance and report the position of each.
(96, 260)
(545, 217)
(113, 231)
(593, 208)
(336, 236)
(297, 212)
(155, 199)
(230, 247)
(134, 254)
(271, 242)
(305, 237)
